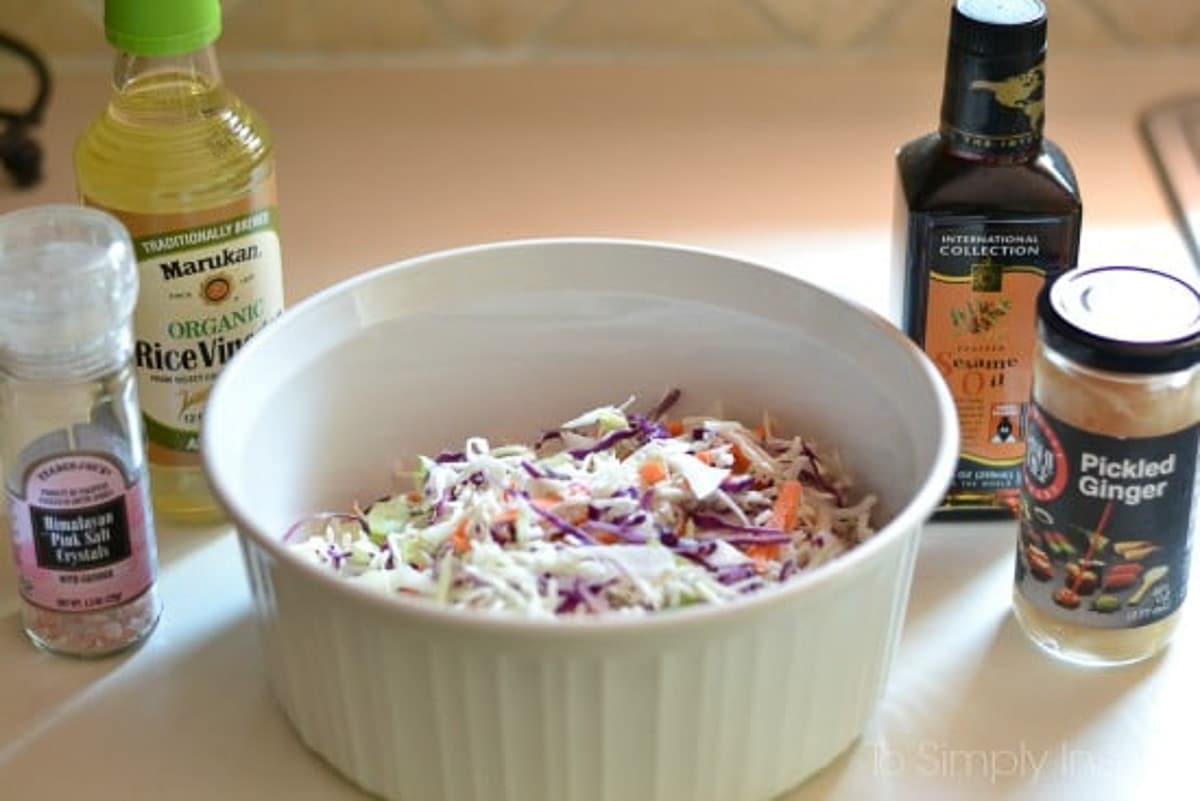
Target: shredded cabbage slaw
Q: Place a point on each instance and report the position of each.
(614, 512)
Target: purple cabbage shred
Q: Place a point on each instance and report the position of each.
(788, 569)
(740, 484)
(547, 436)
(563, 525)
(605, 442)
(665, 403)
(735, 573)
(815, 478)
(713, 522)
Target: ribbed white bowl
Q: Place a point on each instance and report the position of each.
(420, 703)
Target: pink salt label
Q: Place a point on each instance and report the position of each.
(80, 538)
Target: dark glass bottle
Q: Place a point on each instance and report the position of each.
(986, 211)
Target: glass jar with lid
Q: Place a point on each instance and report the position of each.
(71, 440)
(1108, 503)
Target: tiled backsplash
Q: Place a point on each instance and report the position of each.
(531, 29)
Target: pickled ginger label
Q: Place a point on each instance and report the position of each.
(1106, 524)
(209, 281)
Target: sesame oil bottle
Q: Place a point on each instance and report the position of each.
(988, 210)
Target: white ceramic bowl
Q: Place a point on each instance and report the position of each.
(423, 703)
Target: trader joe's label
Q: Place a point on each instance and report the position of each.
(80, 533)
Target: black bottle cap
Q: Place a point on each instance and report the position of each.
(998, 27)
(1122, 319)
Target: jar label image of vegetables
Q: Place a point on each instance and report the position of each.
(980, 332)
(80, 533)
(1106, 523)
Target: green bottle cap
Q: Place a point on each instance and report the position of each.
(161, 27)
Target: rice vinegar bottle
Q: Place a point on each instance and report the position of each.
(189, 170)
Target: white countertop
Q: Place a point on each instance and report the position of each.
(972, 709)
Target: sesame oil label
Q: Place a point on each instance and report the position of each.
(80, 540)
(1106, 524)
(208, 282)
(979, 330)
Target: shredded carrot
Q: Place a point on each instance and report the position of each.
(606, 537)
(459, 538)
(787, 504)
(708, 457)
(414, 497)
(740, 463)
(674, 427)
(509, 515)
(762, 552)
(545, 504)
(652, 472)
(760, 433)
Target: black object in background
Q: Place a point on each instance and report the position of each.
(19, 152)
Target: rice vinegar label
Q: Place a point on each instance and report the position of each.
(980, 330)
(1106, 524)
(80, 533)
(208, 282)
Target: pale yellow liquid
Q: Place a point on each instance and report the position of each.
(1090, 646)
(173, 140)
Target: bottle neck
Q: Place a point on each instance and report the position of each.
(197, 68)
(993, 107)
